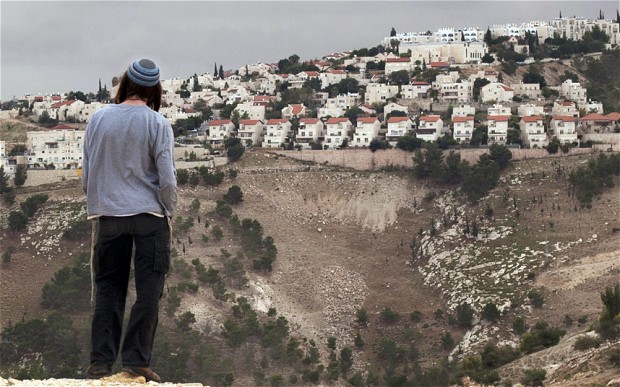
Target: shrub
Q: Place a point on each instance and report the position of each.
(31, 205)
(69, 289)
(362, 316)
(536, 298)
(534, 377)
(17, 220)
(234, 195)
(217, 233)
(447, 341)
(586, 342)
(389, 316)
(223, 209)
(540, 337)
(182, 176)
(78, 231)
(465, 315)
(490, 312)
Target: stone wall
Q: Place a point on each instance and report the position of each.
(364, 159)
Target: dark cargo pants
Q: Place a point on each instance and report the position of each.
(111, 263)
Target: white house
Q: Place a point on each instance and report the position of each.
(455, 92)
(463, 128)
(533, 131)
(393, 106)
(431, 128)
(496, 92)
(498, 110)
(254, 112)
(531, 90)
(276, 132)
(530, 110)
(415, 90)
(337, 130)
(379, 93)
(566, 108)
(463, 111)
(564, 128)
(497, 129)
(397, 64)
(250, 132)
(61, 146)
(367, 130)
(574, 92)
(294, 110)
(220, 130)
(331, 77)
(311, 130)
(88, 110)
(398, 127)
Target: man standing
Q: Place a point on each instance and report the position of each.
(129, 178)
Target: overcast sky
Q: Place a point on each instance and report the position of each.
(59, 46)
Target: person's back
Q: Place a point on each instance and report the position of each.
(130, 183)
(129, 162)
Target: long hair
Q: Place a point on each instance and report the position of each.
(128, 88)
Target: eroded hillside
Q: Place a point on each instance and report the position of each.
(377, 241)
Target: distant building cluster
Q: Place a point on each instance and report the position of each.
(453, 104)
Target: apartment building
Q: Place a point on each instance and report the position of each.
(497, 129)
(276, 132)
(311, 130)
(463, 128)
(219, 130)
(533, 132)
(336, 132)
(564, 128)
(367, 129)
(61, 146)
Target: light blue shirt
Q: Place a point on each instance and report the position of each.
(128, 165)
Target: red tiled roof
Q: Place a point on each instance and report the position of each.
(309, 120)
(498, 118)
(531, 118)
(367, 120)
(565, 118)
(420, 83)
(463, 119)
(63, 103)
(392, 120)
(594, 117)
(339, 72)
(568, 103)
(312, 73)
(56, 98)
(440, 64)
(614, 116)
(62, 127)
(263, 98)
(298, 108)
(337, 120)
(398, 60)
(276, 121)
(248, 122)
(506, 88)
(429, 118)
(219, 122)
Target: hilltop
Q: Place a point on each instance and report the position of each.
(344, 244)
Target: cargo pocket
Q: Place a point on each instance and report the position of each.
(161, 262)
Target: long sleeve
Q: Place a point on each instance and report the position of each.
(164, 160)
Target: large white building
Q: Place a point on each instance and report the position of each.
(367, 130)
(61, 146)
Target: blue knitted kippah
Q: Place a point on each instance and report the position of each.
(144, 72)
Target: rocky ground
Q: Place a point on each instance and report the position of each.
(344, 242)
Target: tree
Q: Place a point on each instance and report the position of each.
(500, 154)
(464, 315)
(488, 38)
(17, 220)
(479, 83)
(490, 312)
(21, 174)
(429, 162)
(221, 72)
(400, 77)
(215, 75)
(534, 76)
(234, 195)
(393, 32)
(487, 58)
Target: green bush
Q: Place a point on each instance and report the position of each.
(17, 221)
(234, 195)
(534, 377)
(586, 342)
(540, 337)
(31, 205)
(78, 231)
(389, 316)
(69, 289)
